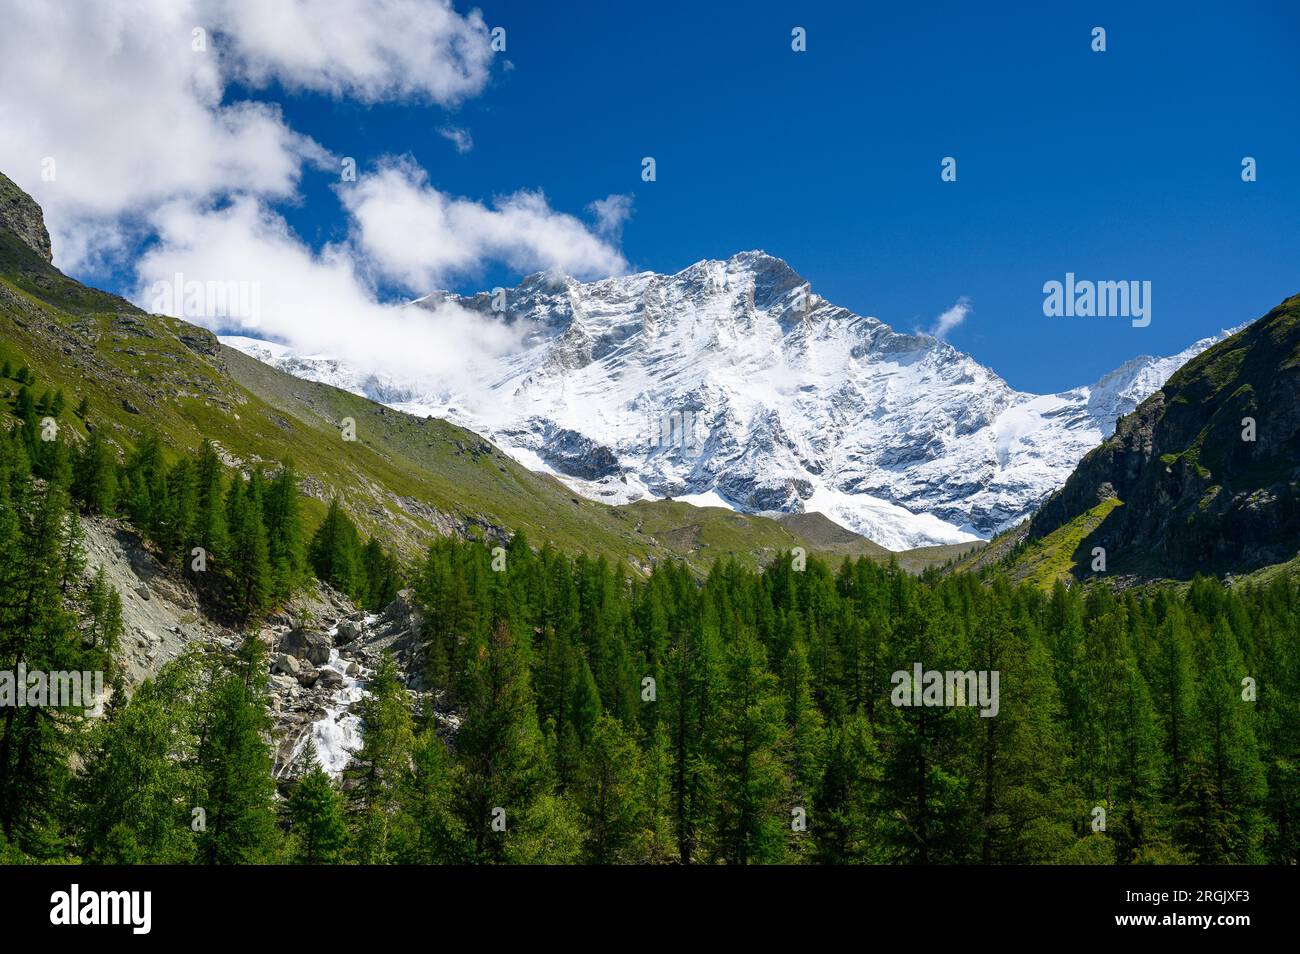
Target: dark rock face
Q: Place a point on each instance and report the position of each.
(20, 214)
(577, 455)
(768, 493)
(1199, 494)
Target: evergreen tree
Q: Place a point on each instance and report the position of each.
(380, 770)
(333, 552)
(234, 764)
(847, 825)
(657, 836)
(380, 572)
(1221, 818)
(210, 520)
(429, 831)
(39, 631)
(284, 534)
(316, 816)
(807, 730)
(500, 747)
(140, 774)
(691, 677)
(95, 476)
(611, 787)
(73, 547)
(752, 800)
(250, 572)
(103, 616)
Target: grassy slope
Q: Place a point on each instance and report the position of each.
(1056, 556)
(1042, 562)
(405, 477)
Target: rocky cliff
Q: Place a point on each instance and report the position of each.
(1207, 469)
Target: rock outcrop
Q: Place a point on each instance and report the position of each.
(20, 214)
(1207, 468)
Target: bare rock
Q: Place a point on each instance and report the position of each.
(313, 647)
(286, 664)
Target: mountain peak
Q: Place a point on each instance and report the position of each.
(756, 257)
(20, 214)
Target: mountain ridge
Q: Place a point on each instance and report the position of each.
(408, 478)
(800, 404)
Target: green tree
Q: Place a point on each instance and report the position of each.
(379, 771)
(430, 831)
(139, 776)
(610, 790)
(210, 516)
(333, 551)
(284, 533)
(250, 572)
(752, 801)
(318, 826)
(95, 476)
(846, 826)
(500, 747)
(234, 764)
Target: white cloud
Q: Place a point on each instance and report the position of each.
(414, 234)
(951, 318)
(372, 51)
(315, 302)
(458, 137)
(147, 143)
(133, 116)
(611, 212)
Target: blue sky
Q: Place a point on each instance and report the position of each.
(1117, 165)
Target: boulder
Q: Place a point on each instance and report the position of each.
(286, 665)
(308, 677)
(348, 631)
(313, 647)
(329, 679)
(354, 669)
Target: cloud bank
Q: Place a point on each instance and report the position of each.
(420, 237)
(317, 302)
(118, 118)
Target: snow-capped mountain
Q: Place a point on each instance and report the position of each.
(731, 383)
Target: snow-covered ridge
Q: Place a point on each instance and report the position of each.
(731, 383)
